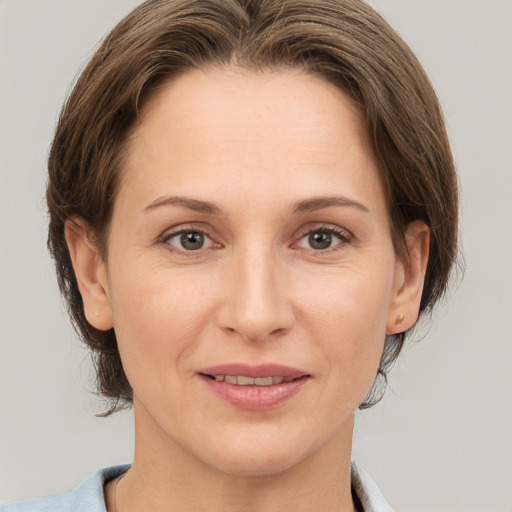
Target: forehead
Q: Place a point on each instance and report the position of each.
(212, 127)
(239, 102)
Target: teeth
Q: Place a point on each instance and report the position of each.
(242, 380)
(263, 381)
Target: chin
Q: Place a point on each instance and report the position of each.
(257, 465)
(262, 454)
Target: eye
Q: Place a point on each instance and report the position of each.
(189, 240)
(323, 239)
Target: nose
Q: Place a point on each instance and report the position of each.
(257, 306)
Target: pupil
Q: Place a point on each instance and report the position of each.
(320, 240)
(192, 240)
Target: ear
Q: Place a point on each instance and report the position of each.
(90, 272)
(409, 279)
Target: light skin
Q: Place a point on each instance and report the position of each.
(251, 227)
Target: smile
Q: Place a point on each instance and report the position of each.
(254, 388)
(243, 380)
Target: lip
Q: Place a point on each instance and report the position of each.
(261, 370)
(255, 398)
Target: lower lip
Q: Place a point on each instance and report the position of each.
(256, 398)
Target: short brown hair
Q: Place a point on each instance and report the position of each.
(344, 41)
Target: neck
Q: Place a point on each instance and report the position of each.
(165, 476)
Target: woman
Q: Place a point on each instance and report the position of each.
(251, 203)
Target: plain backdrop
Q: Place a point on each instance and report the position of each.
(440, 441)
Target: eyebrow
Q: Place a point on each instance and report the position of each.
(308, 205)
(311, 205)
(191, 204)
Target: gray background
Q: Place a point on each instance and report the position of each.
(442, 438)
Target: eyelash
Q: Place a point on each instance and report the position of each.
(343, 236)
(166, 237)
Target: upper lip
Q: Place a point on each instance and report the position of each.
(254, 371)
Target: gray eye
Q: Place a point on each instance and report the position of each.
(192, 240)
(319, 240)
(189, 240)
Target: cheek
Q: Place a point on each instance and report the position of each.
(346, 315)
(158, 319)
(350, 298)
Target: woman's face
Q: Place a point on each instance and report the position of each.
(251, 277)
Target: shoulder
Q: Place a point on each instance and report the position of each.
(86, 497)
(367, 492)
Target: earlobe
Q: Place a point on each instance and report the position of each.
(90, 273)
(409, 280)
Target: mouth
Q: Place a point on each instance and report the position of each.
(254, 387)
(244, 380)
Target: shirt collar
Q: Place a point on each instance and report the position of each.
(367, 492)
(90, 492)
